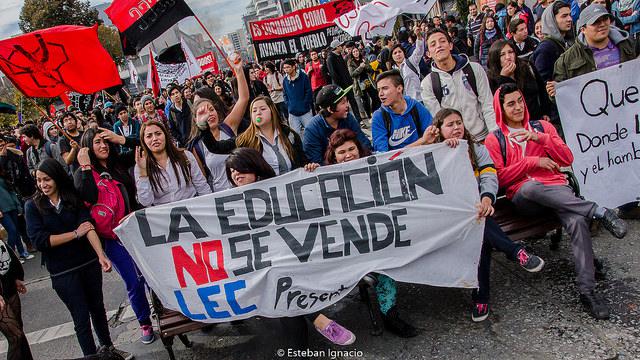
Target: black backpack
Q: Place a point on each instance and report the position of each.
(414, 115)
(502, 141)
(436, 85)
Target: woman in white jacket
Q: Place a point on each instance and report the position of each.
(410, 66)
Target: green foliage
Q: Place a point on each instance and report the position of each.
(110, 40)
(42, 14)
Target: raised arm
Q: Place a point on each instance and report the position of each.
(235, 116)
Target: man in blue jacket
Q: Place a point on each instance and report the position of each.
(401, 121)
(298, 96)
(334, 114)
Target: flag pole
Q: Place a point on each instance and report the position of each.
(214, 42)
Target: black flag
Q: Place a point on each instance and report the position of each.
(142, 21)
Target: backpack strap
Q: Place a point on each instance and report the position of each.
(413, 68)
(226, 129)
(415, 115)
(536, 125)
(436, 86)
(502, 141)
(471, 78)
(197, 146)
(387, 121)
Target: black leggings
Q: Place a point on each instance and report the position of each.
(81, 292)
(11, 328)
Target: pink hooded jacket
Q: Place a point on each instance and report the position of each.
(520, 167)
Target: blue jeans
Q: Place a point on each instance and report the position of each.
(10, 223)
(298, 122)
(133, 280)
(494, 238)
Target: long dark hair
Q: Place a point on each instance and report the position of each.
(337, 139)
(64, 185)
(438, 121)
(248, 161)
(483, 27)
(522, 72)
(177, 158)
(87, 141)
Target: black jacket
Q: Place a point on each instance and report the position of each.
(338, 70)
(180, 122)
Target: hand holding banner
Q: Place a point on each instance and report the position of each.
(297, 243)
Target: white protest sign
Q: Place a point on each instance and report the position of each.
(171, 72)
(600, 118)
(297, 243)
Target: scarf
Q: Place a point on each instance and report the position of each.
(488, 34)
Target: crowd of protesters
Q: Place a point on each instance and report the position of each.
(490, 81)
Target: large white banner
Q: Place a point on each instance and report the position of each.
(299, 242)
(378, 17)
(600, 118)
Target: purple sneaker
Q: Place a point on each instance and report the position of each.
(337, 334)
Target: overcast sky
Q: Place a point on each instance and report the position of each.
(219, 16)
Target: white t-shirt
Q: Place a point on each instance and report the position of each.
(215, 162)
(523, 144)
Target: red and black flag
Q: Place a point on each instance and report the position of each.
(47, 63)
(142, 21)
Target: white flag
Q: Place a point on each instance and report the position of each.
(192, 64)
(378, 17)
(133, 73)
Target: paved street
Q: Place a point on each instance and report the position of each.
(533, 316)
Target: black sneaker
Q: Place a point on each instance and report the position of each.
(616, 226)
(480, 312)
(531, 263)
(393, 323)
(596, 305)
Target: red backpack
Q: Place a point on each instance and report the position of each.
(110, 207)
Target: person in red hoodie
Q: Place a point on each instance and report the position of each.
(528, 156)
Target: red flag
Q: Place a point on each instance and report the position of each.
(142, 21)
(49, 62)
(65, 99)
(155, 78)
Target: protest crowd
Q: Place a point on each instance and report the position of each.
(490, 81)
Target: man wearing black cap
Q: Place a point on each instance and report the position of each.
(334, 114)
(339, 73)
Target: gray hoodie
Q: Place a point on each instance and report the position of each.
(549, 25)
